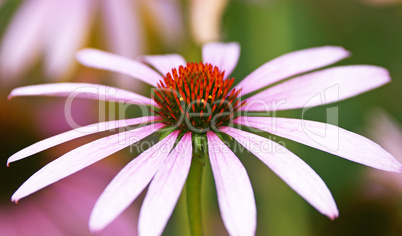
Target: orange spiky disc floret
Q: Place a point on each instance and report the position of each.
(196, 98)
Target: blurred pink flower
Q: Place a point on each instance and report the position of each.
(387, 132)
(56, 30)
(382, 2)
(64, 208)
(203, 89)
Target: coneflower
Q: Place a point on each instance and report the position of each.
(195, 110)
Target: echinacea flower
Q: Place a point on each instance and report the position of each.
(197, 102)
(55, 30)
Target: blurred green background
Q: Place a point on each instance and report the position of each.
(265, 30)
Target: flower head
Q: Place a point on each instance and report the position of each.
(196, 99)
(199, 89)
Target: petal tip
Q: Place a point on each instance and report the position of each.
(387, 75)
(398, 169)
(342, 49)
(93, 228)
(15, 198)
(11, 159)
(382, 73)
(11, 95)
(95, 225)
(343, 53)
(333, 217)
(82, 54)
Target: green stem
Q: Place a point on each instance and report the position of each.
(194, 197)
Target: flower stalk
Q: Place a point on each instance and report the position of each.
(193, 187)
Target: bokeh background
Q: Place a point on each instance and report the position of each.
(369, 201)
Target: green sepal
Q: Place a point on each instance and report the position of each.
(179, 137)
(223, 136)
(164, 132)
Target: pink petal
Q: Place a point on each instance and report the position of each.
(328, 138)
(165, 63)
(291, 64)
(80, 158)
(82, 90)
(165, 189)
(290, 168)
(24, 38)
(67, 34)
(223, 55)
(76, 133)
(235, 194)
(107, 61)
(129, 183)
(321, 87)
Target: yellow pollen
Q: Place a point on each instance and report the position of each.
(202, 100)
(181, 99)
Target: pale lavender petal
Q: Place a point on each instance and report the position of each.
(129, 183)
(291, 64)
(24, 38)
(290, 168)
(165, 189)
(123, 30)
(107, 61)
(82, 90)
(319, 88)
(68, 30)
(328, 138)
(80, 158)
(235, 193)
(223, 55)
(165, 63)
(76, 133)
